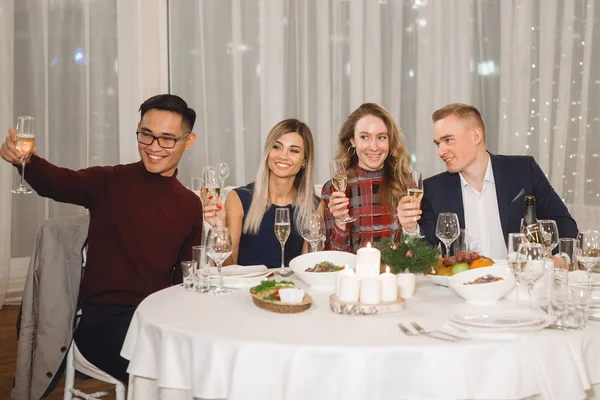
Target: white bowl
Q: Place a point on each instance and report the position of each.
(321, 280)
(483, 293)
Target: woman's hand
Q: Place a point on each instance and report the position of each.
(214, 213)
(409, 213)
(9, 151)
(338, 207)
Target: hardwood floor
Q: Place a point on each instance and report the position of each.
(8, 356)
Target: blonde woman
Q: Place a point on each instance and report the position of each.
(378, 168)
(284, 179)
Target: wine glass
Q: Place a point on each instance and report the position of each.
(211, 190)
(222, 172)
(219, 248)
(447, 229)
(514, 241)
(282, 231)
(589, 251)
(25, 139)
(313, 231)
(530, 265)
(549, 232)
(416, 189)
(339, 179)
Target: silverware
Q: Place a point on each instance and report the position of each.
(423, 331)
(284, 274)
(408, 332)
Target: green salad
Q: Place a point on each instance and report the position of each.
(269, 290)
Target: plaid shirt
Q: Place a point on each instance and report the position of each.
(373, 221)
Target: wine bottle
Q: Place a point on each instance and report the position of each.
(531, 227)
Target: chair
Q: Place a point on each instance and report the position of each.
(76, 362)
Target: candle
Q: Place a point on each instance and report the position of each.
(367, 261)
(345, 272)
(370, 290)
(349, 289)
(389, 286)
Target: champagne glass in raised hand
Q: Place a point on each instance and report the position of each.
(530, 265)
(339, 179)
(549, 232)
(25, 139)
(219, 248)
(589, 251)
(514, 241)
(282, 232)
(211, 190)
(222, 172)
(415, 191)
(447, 229)
(313, 230)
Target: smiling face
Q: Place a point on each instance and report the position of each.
(372, 142)
(287, 155)
(458, 141)
(163, 123)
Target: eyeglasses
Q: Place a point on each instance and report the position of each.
(163, 141)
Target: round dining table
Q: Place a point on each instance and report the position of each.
(186, 345)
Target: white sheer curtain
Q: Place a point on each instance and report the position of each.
(528, 65)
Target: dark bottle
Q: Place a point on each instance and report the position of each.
(531, 227)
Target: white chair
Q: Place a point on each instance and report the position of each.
(76, 362)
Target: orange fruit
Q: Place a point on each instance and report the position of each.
(482, 262)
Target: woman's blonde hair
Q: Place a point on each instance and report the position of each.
(304, 183)
(396, 168)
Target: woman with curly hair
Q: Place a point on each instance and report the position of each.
(379, 175)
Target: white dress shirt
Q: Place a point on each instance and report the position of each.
(482, 218)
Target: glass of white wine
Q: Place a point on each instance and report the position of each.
(219, 248)
(211, 190)
(416, 189)
(25, 140)
(282, 232)
(339, 179)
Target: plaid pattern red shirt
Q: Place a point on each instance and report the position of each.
(373, 221)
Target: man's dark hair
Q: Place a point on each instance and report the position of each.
(173, 103)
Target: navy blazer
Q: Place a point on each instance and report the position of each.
(515, 177)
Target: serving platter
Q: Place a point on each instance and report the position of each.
(340, 307)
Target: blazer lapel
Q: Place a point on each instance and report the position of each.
(501, 178)
(454, 196)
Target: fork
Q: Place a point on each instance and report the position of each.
(408, 332)
(284, 274)
(423, 331)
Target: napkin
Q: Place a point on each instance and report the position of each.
(240, 271)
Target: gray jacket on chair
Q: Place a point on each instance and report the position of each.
(49, 304)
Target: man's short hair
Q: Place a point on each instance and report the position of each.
(461, 111)
(173, 103)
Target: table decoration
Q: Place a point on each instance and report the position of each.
(370, 290)
(368, 260)
(349, 288)
(389, 286)
(357, 308)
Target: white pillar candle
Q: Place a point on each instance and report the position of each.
(367, 261)
(370, 290)
(389, 286)
(347, 271)
(349, 289)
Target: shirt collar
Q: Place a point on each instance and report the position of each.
(488, 178)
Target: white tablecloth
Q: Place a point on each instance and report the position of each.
(183, 345)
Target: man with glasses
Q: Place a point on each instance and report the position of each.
(143, 223)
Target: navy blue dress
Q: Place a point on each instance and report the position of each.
(264, 248)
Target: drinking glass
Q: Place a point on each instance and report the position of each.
(549, 232)
(222, 172)
(578, 301)
(219, 247)
(211, 190)
(282, 231)
(188, 272)
(313, 231)
(530, 265)
(559, 295)
(514, 241)
(339, 179)
(447, 229)
(201, 284)
(25, 139)
(416, 187)
(589, 251)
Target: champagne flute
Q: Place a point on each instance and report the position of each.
(282, 231)
(211, 190)
(514, 241)
(25, 139)
(549, 232)
(530, 265)
(589, 251)
(222, 172)
(219, 248)
(447, 229)
(339, 179)
(313, 231)
(416, 189)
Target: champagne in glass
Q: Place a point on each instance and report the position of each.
(219, 249)
(211, 190)
(339, 179)
(514, 241)
(25, 140)
(282, 231)
(447, 229)
(416, 189)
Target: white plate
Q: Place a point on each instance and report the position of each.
(499, 319)
(439, 280)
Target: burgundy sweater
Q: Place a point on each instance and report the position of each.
(142, 225)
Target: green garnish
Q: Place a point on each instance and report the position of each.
(266, 289)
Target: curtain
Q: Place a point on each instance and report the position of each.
(526, 64)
